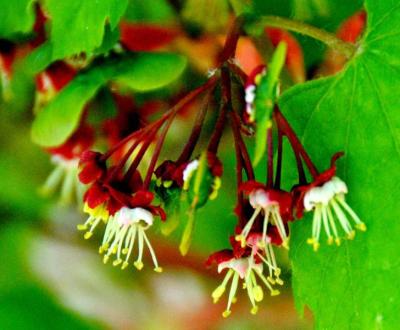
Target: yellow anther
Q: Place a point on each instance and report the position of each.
(277, 271)
(125, 251)
(81, 227)
(88, 234)
(351, 234)
(285, 244)
(337, 241)
(270, 280)
(167, 184)
(217, 293)
(226, 313)
(275, 293)
(361, 226)
(260, 244)
(310, 240)
(114, 250)
(213, 195)
(258, 293)
(330, 240)
(254, 310)
(124, 265)
(279, 281)
(158, 182)
(117, 262)
(106, 258)
(244, 286)
(315, 246)
(239, 238)
(158, 269)
(234, 300)
(138, 264)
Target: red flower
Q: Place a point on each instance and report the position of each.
(300, 191)
(91, 166)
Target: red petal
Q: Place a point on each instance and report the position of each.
(142, 198)
(219, 257)
(158, 210)
(249, 186)
(95, 196)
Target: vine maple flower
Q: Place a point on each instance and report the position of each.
(125, 227)
(245, 268)
(66, 158)
(326, 197)
(124, 208)
(276, 206)
(262, 249)
(250, 92)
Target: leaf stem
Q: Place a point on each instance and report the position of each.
(327, 38)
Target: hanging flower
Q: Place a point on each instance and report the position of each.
(326, 197)
(274, 205)
(66, 159)
(245, 268)
(123, 229)
(126, 210)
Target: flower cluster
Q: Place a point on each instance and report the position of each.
(135, 182)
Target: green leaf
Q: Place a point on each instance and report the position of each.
(78, 26)
(150, 71)
(150, 11)
(265, 99)
(56, 122)
(144, 72)
(355, 285)
(16, 17)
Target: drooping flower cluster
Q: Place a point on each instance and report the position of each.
(135, 182)
(123, 205)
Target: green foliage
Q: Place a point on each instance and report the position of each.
(265, 100)
(150, 11)
(78, 26)
(16, 18)
(143, 72)
(355, 286)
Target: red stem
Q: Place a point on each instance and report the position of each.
(243, 149)
(218, 130)
(231, 41)
(295, 142)
(196, 131)
(185, 100)
(156, 153)
(237, 71)
(139, 156)
(172, 112)
(239, 174)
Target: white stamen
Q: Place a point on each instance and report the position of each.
(328, 203)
